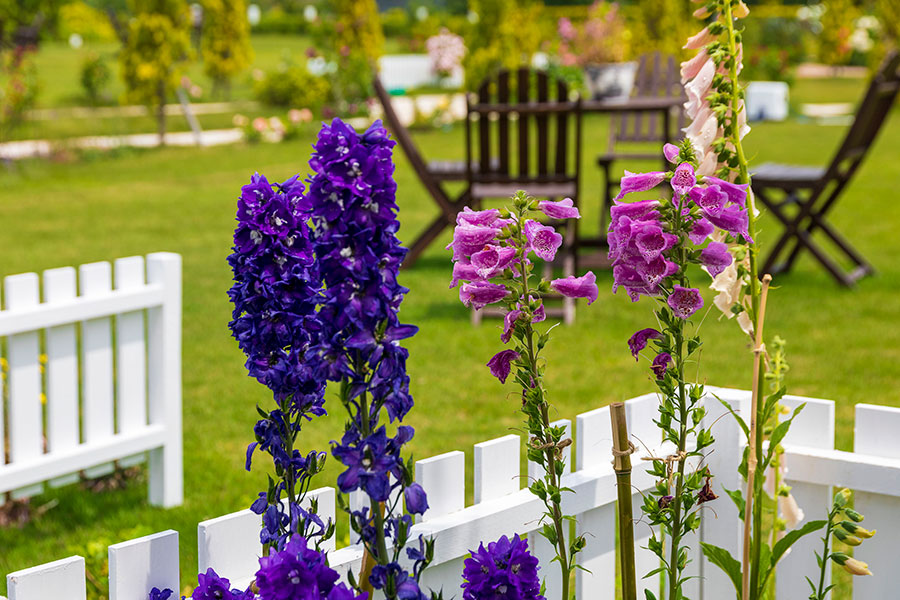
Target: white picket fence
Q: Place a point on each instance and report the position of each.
(94, 375)
(230, 544)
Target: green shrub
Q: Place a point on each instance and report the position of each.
(88, 22)
(95, 76)
(226, 42)
(276, 20)
(291, 86)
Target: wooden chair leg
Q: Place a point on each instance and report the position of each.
(424, 240)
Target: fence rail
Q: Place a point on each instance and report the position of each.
(230, 544)
(94, 375)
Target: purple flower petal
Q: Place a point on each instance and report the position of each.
(683, 180)
(564, 209)
(464, 271)
(651, 241)
(684, 301)
(477, 217)
(479, 294)
(509, 325)
(500, 364)
(469, 239)
(737, 192)
(711, 199)
(660, 364)
(670, 151)
(701, 230)
(577, 287)
(639, 182)
(545, 241)
(640, 339)
(732, 219)
(716, 257)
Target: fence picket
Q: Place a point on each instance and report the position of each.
(593, 450)
(131, 357)
(25, 411)
(876, 434)
(814, 427)
(58, 579)
(540, 547)
(62, 371)
(137, 566)
(443, 478)
(497, 468)
(97, 364)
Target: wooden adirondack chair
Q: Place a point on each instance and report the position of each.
(524, 133)
(814, 191)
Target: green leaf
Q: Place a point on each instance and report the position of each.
(648, 595)
(782, 545)
(723, 559)
(737, 497)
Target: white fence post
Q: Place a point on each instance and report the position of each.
(814, 428)
(443, 478)
(131, 356)
(59, 579)
(593, 449)
(876, 434)
(721, 525)
(137, 566)
(25, 412)
(164, 328)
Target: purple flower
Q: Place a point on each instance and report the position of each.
(371, 460)
(469, 239)
(505, 570)
(492, 260)
(564, 209)
(716, 257)
(701, 230)
(500, 364)
(479, 294)
(651, 241)
(509, 325)
(158, 594)
(639, 182)
(670, 151)
(213, 587)
(660, 364)
(684, 301)
(298, 571)
(683, 180)
(706, 494)
(477, 217)
(664, 501)
(732, 219)
(464, 270)
(711, 199)
(577, 287)
(736, 192)
(544, 240)
(640, 339)
(416, 500)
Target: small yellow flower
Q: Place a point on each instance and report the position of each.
(856, 567)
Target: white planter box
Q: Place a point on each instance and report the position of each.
(767, 101)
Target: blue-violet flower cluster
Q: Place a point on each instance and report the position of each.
(505, 570)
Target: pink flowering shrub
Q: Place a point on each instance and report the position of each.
(446, 51)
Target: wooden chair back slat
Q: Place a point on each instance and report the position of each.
(543, 96)
(503, 123)
(562, 129)
(523, 85)
(870, 116)
(657, 76)
(541, 112)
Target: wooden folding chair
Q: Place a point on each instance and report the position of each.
(657, 76)
(814, 191)
(432, 175)
(513, 114)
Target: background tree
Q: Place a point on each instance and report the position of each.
(154, 53)
(225, 42)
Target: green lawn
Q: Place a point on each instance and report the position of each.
(842, 344)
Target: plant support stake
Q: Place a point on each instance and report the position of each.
(622, 450)
(758, 351)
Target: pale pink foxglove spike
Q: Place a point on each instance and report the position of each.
(741, 11)
(690, 68)
(790, 510)
(708, 164)
(703, 136)
(692, 107)
(744, 322)
(743, 128)
(701, 13)
(700, 85)
(699, 40)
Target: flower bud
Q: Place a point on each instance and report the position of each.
(856, 530)
(842, 497)
(851, 565)
(850, 540)
(853, 515)
(741, 10)
(701, 13)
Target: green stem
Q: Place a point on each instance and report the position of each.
(679, 480)
(820, 593)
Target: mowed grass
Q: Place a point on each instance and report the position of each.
(842, 344)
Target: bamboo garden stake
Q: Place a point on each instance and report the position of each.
(622, 450)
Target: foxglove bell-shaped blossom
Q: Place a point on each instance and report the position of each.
(479, 294)
(544, 240)
(684, 301)
(577, 287)
(639, 182)
(660, 364)
(640, 339)
(715, 257)
(500, 364)
(564, 209)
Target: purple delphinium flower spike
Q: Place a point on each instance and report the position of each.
(564, 209)
(639, 182)
(660, 364)
(716, 257)
(415, 498)
(503, 570)
(479, 294)
(544, 240)
(640, 339)
(684, 301)
(158, 594)
(577, 287)
(683, 180)
(500, 364)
